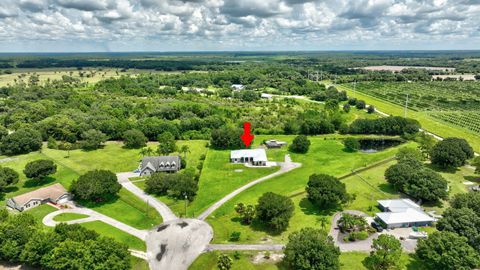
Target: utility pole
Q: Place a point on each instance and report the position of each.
(186, 197)
(406, 107)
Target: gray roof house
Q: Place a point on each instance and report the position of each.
(274, 144)
(55, 193)
(155, 164)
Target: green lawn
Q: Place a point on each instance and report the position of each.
(326, 155)
(138, 264)
(68, 217)
(427, 122)
(41, 211)
(119, 235)
(126, 207)
(217, 180)
(348, 261)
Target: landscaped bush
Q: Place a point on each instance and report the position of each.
(8, 177)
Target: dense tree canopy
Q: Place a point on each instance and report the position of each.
(392, 125)
(311, 249)
(326, 191)
(447, 251)
(166, 143)
(95, 185)
(275, 210)
(226, 138)
(463, 221)
(176, 185)
(20, 142)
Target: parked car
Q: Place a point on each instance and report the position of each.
(376, 226)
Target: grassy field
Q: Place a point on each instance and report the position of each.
(138, 264)
(112, 157)
(90, 76)
(121, 236)
(428, 123)
(348, 261)
(326, 155)
(68, 216)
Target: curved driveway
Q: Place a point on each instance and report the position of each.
(93, 216)
(286, 166)
(162, 209)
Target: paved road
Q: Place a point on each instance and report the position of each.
(286, 166)
(272, 247)
(93, 216)
(175, 244)
(162, 209)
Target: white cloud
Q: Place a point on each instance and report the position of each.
(238, 24)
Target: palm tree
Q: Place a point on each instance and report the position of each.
(146, 151)
(323, 220)
(185, 149)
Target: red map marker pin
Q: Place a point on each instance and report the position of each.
(246, 137)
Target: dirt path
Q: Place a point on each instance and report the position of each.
(286, 166)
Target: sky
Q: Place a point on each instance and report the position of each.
(237, 25)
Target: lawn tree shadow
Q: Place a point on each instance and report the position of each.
(472, 178)
(92, 149)
(259, 226)
(438, 204)
(282, 265)
(387, 188)
(10, 189)
(38, 182)
(93, 204)
(308, 208)
(441, 169)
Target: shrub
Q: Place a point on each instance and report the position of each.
(370, 109)
(351, 144)
(346, 107)
(360, 104)
(93, 139)
(235, 236)
(300, 144)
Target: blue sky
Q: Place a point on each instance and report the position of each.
(197, 25)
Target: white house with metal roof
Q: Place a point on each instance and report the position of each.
(256, 157)
(401, 213)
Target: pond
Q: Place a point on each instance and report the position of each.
(369, 145)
